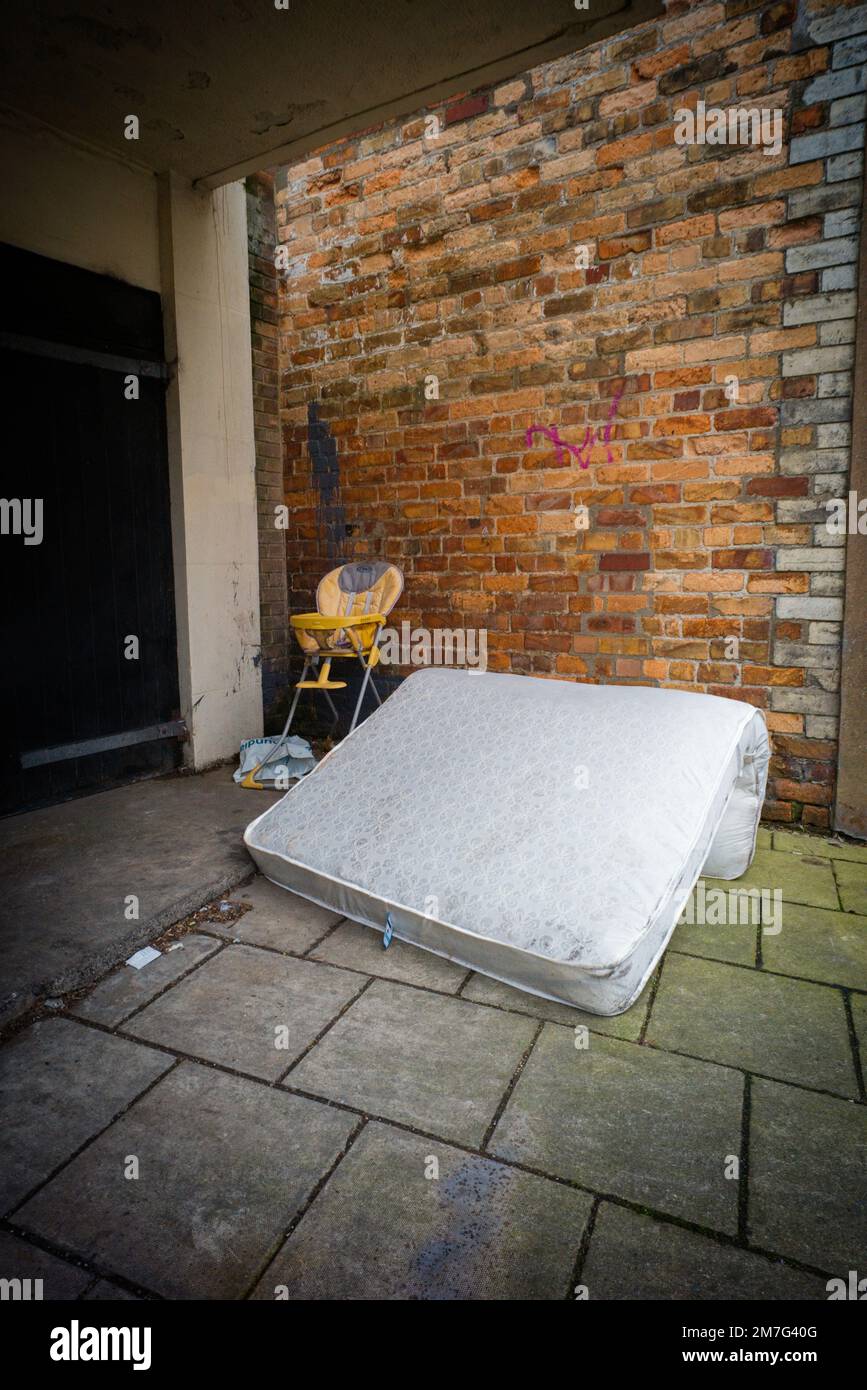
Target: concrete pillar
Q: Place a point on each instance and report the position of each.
(203, 264)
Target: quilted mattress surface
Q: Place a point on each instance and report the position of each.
(543, 832)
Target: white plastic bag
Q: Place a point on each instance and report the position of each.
(294, 759)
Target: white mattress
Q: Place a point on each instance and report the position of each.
(543, 832)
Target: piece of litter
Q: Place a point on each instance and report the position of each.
(224, 907)
(54, 1003)
(143, 957)
(388, 933)
(176, 946)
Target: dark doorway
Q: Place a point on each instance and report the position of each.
(89, 660)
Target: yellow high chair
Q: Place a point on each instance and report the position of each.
(352, 604)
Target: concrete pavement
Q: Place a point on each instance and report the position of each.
(278, 1108)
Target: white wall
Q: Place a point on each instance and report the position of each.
(206, 311)
(63, 200)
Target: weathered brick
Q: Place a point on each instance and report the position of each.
(609, 248)
(747, 559)
(624, 560)
(466, 109)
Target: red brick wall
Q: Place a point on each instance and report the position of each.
(456, 256)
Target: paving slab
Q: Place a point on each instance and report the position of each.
(794, 843)
(224, 1165)
(808, 1177)
(852, 883)
(251, 1010)
(277, 918)
(815, 944)
(748, 1018)
(65, 872)
(425, 1060)
(633, 1256)
(60, 1083)
(19, 1260)
(731, 941)
(128, 989)
(360, 948)
(801, 879)
(629, 1121)
(484, 990)
(382, 1229)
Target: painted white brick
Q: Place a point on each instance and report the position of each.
(805, 606)
(839, 331)
(837, 436)
(827, 584)
(807, 700)
(835, 384)
(797, 461)
(847, 110)
(820, 726)
(805, 360)
(825, 539)
(798, 511)
(802, 654)
(839, 251)
(839, 277)
(825, 144)
(826, 680)
(839, 24)
(846, 166)
(840, 83)
(807, 557)
(842, 222)
(812, 412)
(850, 51)
(815, 308)
(826, 485)
(806, 202)
(824, 634)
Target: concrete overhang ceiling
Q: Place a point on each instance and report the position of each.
(222, 89)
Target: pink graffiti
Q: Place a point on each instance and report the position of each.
(561, 445)
(582, 451)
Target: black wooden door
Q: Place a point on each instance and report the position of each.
(89, 660)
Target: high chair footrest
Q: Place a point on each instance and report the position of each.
(320, 685)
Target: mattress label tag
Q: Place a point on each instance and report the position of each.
(388, 933)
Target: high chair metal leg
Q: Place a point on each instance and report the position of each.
(295, 698)
(367, 667)
(250, 780)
